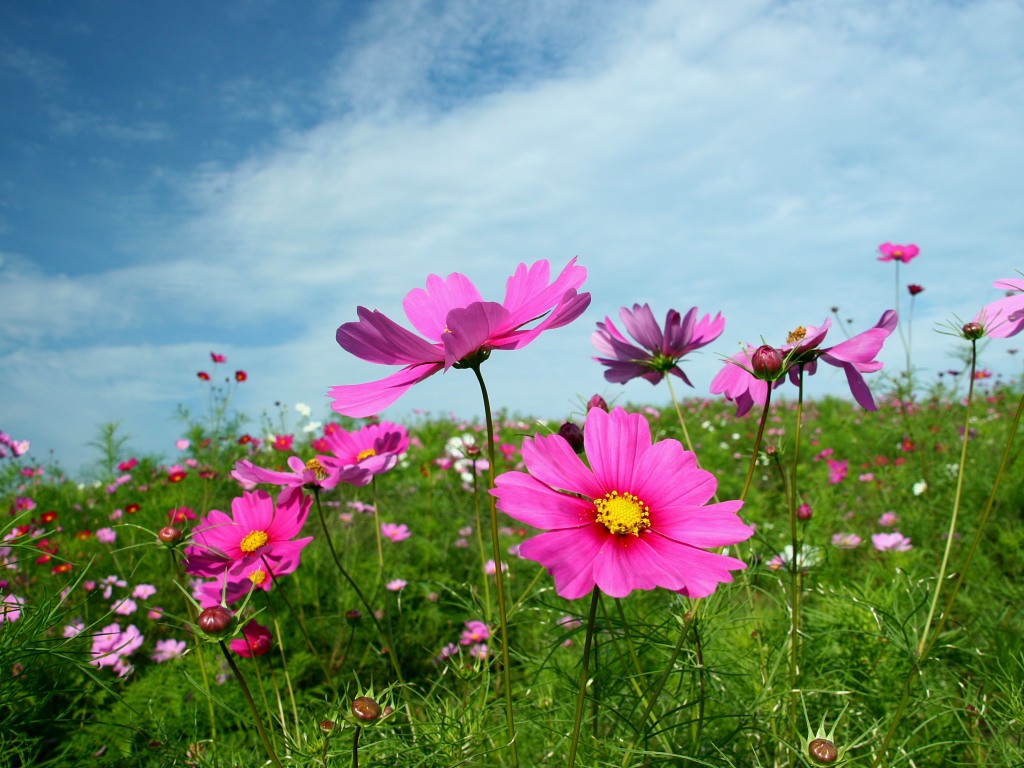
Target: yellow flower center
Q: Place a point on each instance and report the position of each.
(258, 576)
(622, 513)
(253, 541)
(797, 334)
(318, 469)
(365, 454)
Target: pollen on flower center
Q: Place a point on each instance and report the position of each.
(318, 469)
(622, 513)
(253, 541)
(365, 454)
(258, 576)
(797, 334)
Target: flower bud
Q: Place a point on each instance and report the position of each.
(326, 726)
(766, 363)
(973, 331)
(597, 402)
(822, 752)
(366, 709)
(804, 512)
(216, 620)
(573, 435)
(353, 615)
(913, 289)
(169, 535)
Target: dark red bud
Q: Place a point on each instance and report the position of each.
(973, 331)
(573, 435)
(804, 512)
(353, 615)
(366, 709)
(326, 726)
(169, 534)
(766, 362)
(216, 620)
(597, 402)
(822, 752)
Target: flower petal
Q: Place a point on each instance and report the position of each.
(614, 442)
(359, 400)
(528, 500)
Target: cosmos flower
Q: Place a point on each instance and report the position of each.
(314, 473)
(636, 518)
(891, 542)
(659, 351)
(168, 649)
(374, 449)
(856, 356)
(461, 329)
(892, 252)
(395, 532)
(256, 640)
(1004, 317)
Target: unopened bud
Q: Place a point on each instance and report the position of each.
(804, 512)
(973, 331)
(766, 363)
(216, 620)
(169, 535)
(573, 435)
(597, 402)
(353, 615)
(822, 752)
(326, 726)
(366, 709)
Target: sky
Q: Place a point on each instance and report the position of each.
(189, 177)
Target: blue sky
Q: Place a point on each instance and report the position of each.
(177, 178)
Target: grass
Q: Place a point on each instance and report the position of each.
(671, 681)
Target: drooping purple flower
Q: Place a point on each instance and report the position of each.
(656, 352)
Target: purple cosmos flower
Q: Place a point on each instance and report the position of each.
(1004, 317)
(636, 518)
(304, 474)
(659, 352)
(460, 328)
(856, 356)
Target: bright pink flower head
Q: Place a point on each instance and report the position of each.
(375, 448)
(218, 358)
(856, 356)
(892, 252)
(659, 351)
(637, 518)
(258, 529)
(1004, 317)
(460, 328)
(314, 473)
(256, 640)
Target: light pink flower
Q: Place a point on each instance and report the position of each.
(460, 329)
(846, 540)
(125, 607)
(167, 650)
(637, 518)
(892, 252)
(396, 585)
(856, 356)
(143, 591)
(1004, 317)
(10, 608)
(891, 542)
(395, 532)
(659, 351)
(888, 519)
(475, 632)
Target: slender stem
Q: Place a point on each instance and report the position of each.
(1000, 474)
(757, 443)
(679, 413)
(252, 706)
(956, 506)
(480, 544)
(584, 672)
(499, 576)
(355, 747)
(698, 652)
(376, 525)
(795, 582)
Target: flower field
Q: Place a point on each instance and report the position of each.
(751, 577)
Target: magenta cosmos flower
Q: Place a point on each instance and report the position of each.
(1004, 317)
(257, 530)
(374, 449)
(856, 356)
(460, 328)
(893, 252)
(659, 351)
(314, 473)
(636, 518)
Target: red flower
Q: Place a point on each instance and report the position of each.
(48, 517)
(203, 376)
(245, 439)
(180, 514)
(132, 508)
(218, 358)
(914, 289)
(283, 442)
(83, 535)
(241, 375)
(128, 466)
(62, 568)
(176, 474)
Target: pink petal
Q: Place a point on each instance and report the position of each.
(552, 461)
(428, 309)
(471, 328)
(528, 294)
(569, 557)
(529, 501)
(359, 400)
(377, 338)
(667, 476)
(714, 525)
(614, 443)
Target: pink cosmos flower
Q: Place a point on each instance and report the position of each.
(314, 473)
(396, 585)
(1004, 317)
(475, 632)
(856, 356)
(258, 529)
(659, 352)
(167, 650)
(846, 540)
(891, 542)
(111, 646)
(256, 640)
(375, 448)
(637, 518)
(395, 532)
(235, 584)
(461, 329)
(904, 253)
(106, 535)
(888, 519)
(837, 470)
(10, 608)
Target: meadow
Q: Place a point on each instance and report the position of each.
(347, 592)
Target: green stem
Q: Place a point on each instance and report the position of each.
(757, 443)
(956, 507)
(499, 576)
(584, 672)
(795, 582)
(679, 413)
(252, 706)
